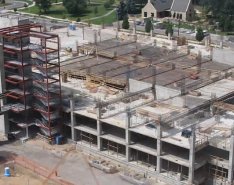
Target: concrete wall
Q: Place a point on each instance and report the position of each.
(162, 92)
(149, 8)
(165, 93)
(224, 56)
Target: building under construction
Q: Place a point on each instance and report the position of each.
(166, 112)
(29, 59)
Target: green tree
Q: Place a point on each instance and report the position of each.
(43, 5)
(148, 25)
(75, 7)
(95, 10)
(107, 5)
(131, 6)
(222, 12)
(229, 8)
(3, 2)
(125, 24)
(199, 35)
(121, 10)
(169, 29)
(227, 25)
(111, 2)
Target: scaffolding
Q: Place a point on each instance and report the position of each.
(32, 76)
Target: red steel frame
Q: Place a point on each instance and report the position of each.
(48, 81)
(17, 33)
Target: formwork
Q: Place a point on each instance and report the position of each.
(31, 59)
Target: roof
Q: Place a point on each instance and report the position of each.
(180, 5)
(162, 5)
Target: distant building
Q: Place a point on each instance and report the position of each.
(177, 9)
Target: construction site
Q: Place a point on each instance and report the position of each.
(162, 108)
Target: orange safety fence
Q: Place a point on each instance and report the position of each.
(39, 170)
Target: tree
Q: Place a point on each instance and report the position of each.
(75, 7)
(3, 2)
(227, 25)
(121, 10)
(95, 10)
(148, 25)
(107, 5)
(169, 29)
(221, 11)
(199, 35)
(43, 5)
(111, 2)
(131, 6)
(125, 24)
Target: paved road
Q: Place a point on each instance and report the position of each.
(13, 4)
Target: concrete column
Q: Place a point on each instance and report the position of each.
(151, 32)
(154, 83)
(99, 129)
(159, 147)
(73, 120)
(169, 36)
(127, 89)
(231, 160)
(134, 27)
(213, 99)
(192, 141)
(127, 135)
(221, 44)
(211, 53)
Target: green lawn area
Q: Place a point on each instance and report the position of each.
(59, 11)
(106, 20)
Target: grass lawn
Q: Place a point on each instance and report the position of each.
(106, 20)
(59, 11)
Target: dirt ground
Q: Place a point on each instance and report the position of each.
(22, 176)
